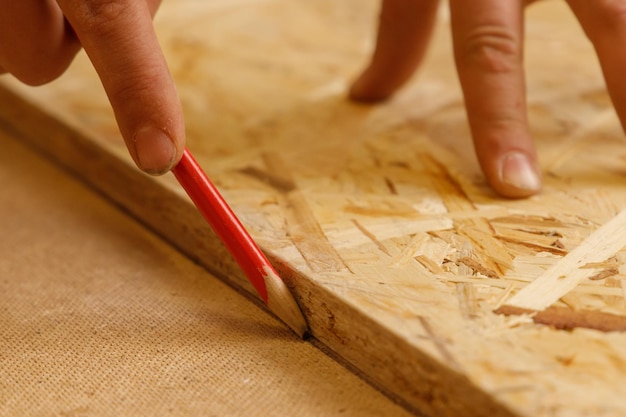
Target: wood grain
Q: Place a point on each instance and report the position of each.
(585, 262)
(101, 317)
(378, 217)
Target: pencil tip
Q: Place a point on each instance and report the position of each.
(281, 302)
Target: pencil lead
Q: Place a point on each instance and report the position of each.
(239, 243)
(280, 301)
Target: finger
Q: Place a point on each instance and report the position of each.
(604, 22)
(37, 44)
(119, 38)
(404, 30)
(487, 37)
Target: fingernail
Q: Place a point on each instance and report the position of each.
(517, 171)
(154, 150)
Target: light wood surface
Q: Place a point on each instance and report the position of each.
(377, 217)
(99, 317)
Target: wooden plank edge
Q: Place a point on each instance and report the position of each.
(411, 377)
(142, 197)
(414, 379)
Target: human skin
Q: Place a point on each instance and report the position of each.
(488, 50)
(39, 39)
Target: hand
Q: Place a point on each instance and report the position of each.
(39, 39)
(488, 48)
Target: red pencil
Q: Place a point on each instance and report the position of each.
(239, 243)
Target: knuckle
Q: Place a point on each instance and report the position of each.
(491, 48)
(138, 89)
(504, 122)
(132, 86)
(99, 16)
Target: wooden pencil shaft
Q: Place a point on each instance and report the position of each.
(394, 278)
(224, 222)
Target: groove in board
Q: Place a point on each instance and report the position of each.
(417, 252)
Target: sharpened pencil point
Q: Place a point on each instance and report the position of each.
(239, 243)
(281, 302)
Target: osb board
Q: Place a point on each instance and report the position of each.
(99, 317)
(378, 217)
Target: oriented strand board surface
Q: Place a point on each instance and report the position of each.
(378, 217)
(98, 317)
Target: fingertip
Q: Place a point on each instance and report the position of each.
(120, 40)
(363, 90)
(516, 176)
(154, 150)
(404, 31)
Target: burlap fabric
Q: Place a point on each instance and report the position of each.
(98, 317)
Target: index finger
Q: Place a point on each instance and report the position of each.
(488, 47)
(120, 41)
